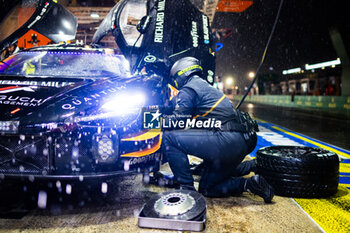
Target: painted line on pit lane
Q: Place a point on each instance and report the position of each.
(341, 152)
(331, 213)
(344, 180)
(346, 161)
(301, 139)
(307, 214)
(269, 137)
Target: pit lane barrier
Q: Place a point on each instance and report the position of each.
(335, 104)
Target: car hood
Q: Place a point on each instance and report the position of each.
(46, 104)
(22, 96)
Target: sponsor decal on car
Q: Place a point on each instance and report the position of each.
(21, 101)
(194, 34)
(36, 83)
(158, 32)
(210, 76)
(95, 96)
(43, 11)
(5, 90)
(206, 29)
(150, 59)
(144, 159)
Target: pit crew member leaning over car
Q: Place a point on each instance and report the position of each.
(222, 149)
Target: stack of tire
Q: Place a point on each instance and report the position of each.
(295, 171)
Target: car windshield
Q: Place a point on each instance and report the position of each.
(64, 64)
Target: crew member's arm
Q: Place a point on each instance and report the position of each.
(185, 103)
(184, 106)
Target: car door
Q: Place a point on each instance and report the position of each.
(154, 34)
(44, 16)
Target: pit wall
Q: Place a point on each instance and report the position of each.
(334, 104)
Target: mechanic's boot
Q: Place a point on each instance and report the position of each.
(259, 186)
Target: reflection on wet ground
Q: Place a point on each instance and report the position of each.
(326, 127)
(72, 204)
(86, 208)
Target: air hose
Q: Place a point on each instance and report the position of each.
(263, 56)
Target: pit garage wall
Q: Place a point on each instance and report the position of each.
(334, 104)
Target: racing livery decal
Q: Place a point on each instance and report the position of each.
(206, 29)
(194, 34)
(16, 88)
(21, 101)
(158, 32)
(36, 83)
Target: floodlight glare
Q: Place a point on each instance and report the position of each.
(291, 71)
(323, 64)
(229, 81)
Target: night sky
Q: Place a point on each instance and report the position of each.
(301, 37)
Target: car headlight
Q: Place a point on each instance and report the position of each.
(9, 126)
(121, 105)
(105, 148)
(124, 104)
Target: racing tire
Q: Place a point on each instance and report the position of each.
(296, 171)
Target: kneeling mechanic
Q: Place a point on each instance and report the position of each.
(222, 149)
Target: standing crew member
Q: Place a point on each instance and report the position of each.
(222, 149)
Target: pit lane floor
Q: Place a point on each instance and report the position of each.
(324, 126)
(87, 209)
(117, 213)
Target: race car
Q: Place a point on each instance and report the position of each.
(71, 111)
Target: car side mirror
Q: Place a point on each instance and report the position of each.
(143, 25)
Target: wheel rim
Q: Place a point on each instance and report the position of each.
(174, 204)
(293, 151)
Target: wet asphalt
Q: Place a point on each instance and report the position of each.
(88, 209)
(327, 127)
(49, 207)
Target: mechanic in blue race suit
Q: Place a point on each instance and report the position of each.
(222, 149)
